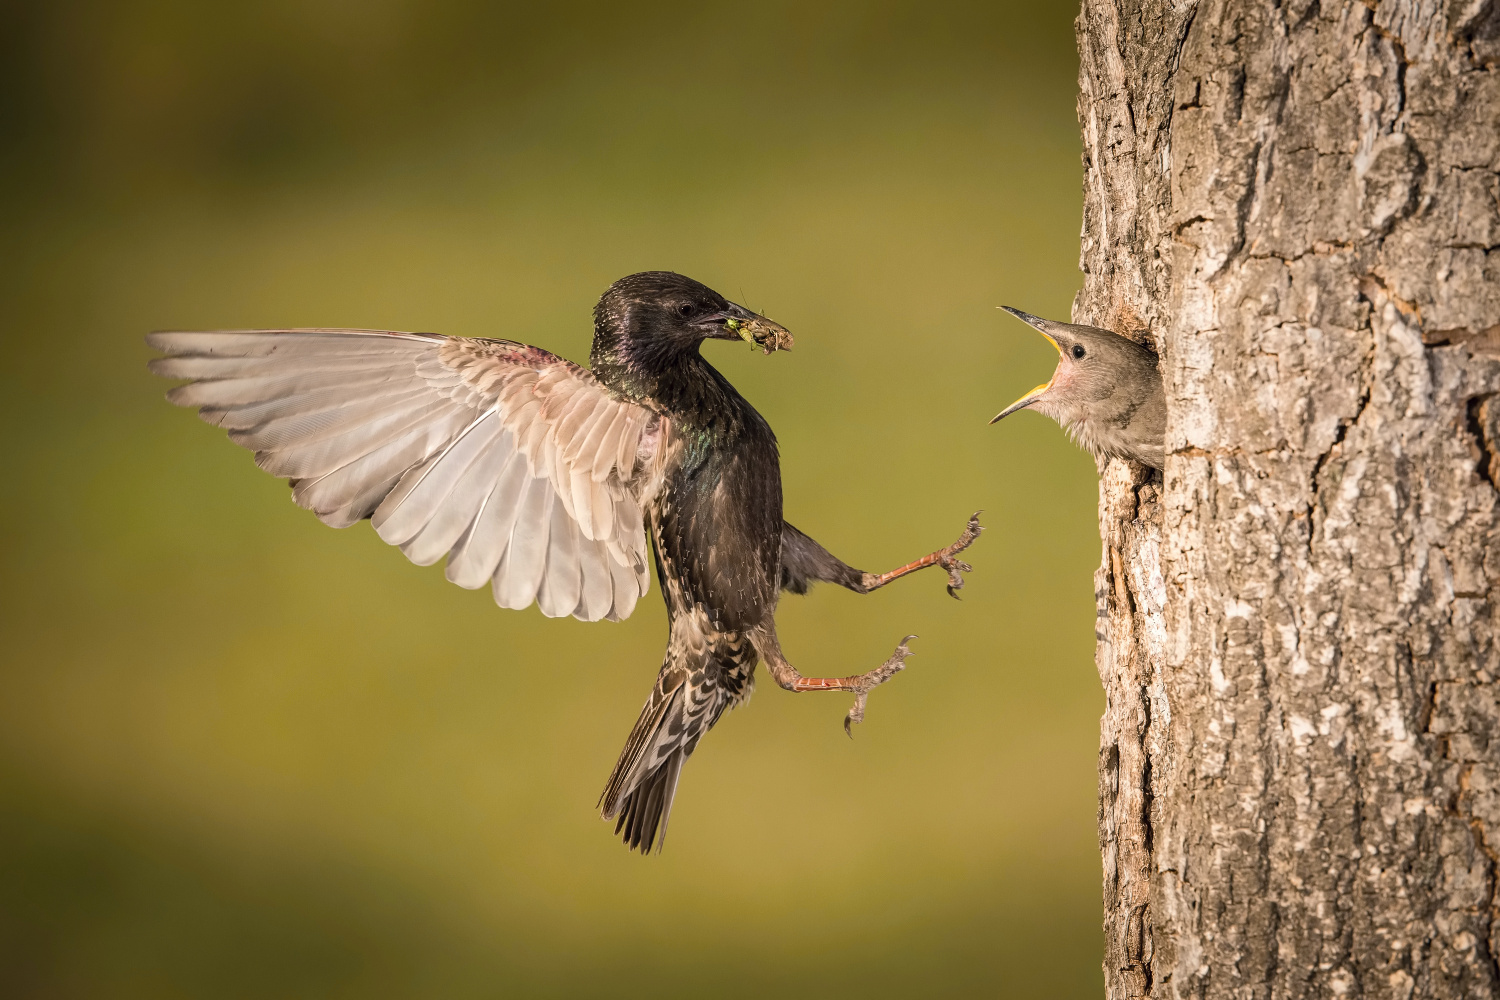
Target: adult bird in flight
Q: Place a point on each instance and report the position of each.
(1106, 392)
(544, 480)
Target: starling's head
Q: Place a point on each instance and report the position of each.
(652, 319)
(1104, 383)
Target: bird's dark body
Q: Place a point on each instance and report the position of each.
(716, 528)
(716, 523)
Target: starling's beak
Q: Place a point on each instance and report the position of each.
(1038, 324)
(739, 323)
(1023, 402)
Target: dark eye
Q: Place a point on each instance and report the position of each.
(686, 309)
(1078, 350)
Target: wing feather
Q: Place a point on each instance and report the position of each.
(301, 420)
(630, 443)
(561, 581)
(424, 419)
(596, 597)
(386, 460)
(476, 556)
(579, 413)
(526, 556)
(436, 500)
(243, 390)
(516, 464)
(221, 366)
(424, 489)
(626, 589)
(452, 519)
(264, 343)
(607, 448)
(580, 484)
(356, 506)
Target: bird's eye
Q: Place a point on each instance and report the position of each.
(686, 309)
(1078, 350)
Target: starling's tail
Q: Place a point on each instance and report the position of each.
(644, 813)
(681, 708)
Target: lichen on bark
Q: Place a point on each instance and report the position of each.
(1298, 206)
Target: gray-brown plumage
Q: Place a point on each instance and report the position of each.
(1106, 392)
(557, 485)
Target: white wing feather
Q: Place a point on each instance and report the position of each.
(517, 465)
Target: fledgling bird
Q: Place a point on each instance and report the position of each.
(1106, 392)
(543, 480)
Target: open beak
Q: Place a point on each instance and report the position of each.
(739, 323)
(1023, 402)
(1037, 324)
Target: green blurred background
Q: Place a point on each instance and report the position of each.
(243, 755)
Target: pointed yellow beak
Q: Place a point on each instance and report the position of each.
(1023, 402)
(1034, 394)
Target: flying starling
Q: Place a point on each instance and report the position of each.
(543, 480)
(1106, 392)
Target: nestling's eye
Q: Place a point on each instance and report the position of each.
(1077, 350)
(686, 309)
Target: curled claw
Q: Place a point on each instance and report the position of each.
(890, 668)
(956, 568)
(856, 714)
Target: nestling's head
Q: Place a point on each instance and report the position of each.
(1106, 391)
(651, 320)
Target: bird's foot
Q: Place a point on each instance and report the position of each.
(865, 683)
(947, 558)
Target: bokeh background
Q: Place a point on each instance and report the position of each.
(243, 755)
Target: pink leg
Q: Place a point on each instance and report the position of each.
(787, 676)
(944, 557)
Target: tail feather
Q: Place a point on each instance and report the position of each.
(705, 674)
(642, 821)
(641, 788)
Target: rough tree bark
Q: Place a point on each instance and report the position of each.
(1298, 205)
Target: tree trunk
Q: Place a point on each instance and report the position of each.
(1298, 205)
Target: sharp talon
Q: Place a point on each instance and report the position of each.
(856, 713)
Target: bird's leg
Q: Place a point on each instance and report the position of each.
(946, 557)
(787, 676)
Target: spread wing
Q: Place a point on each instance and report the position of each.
(517, 465)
